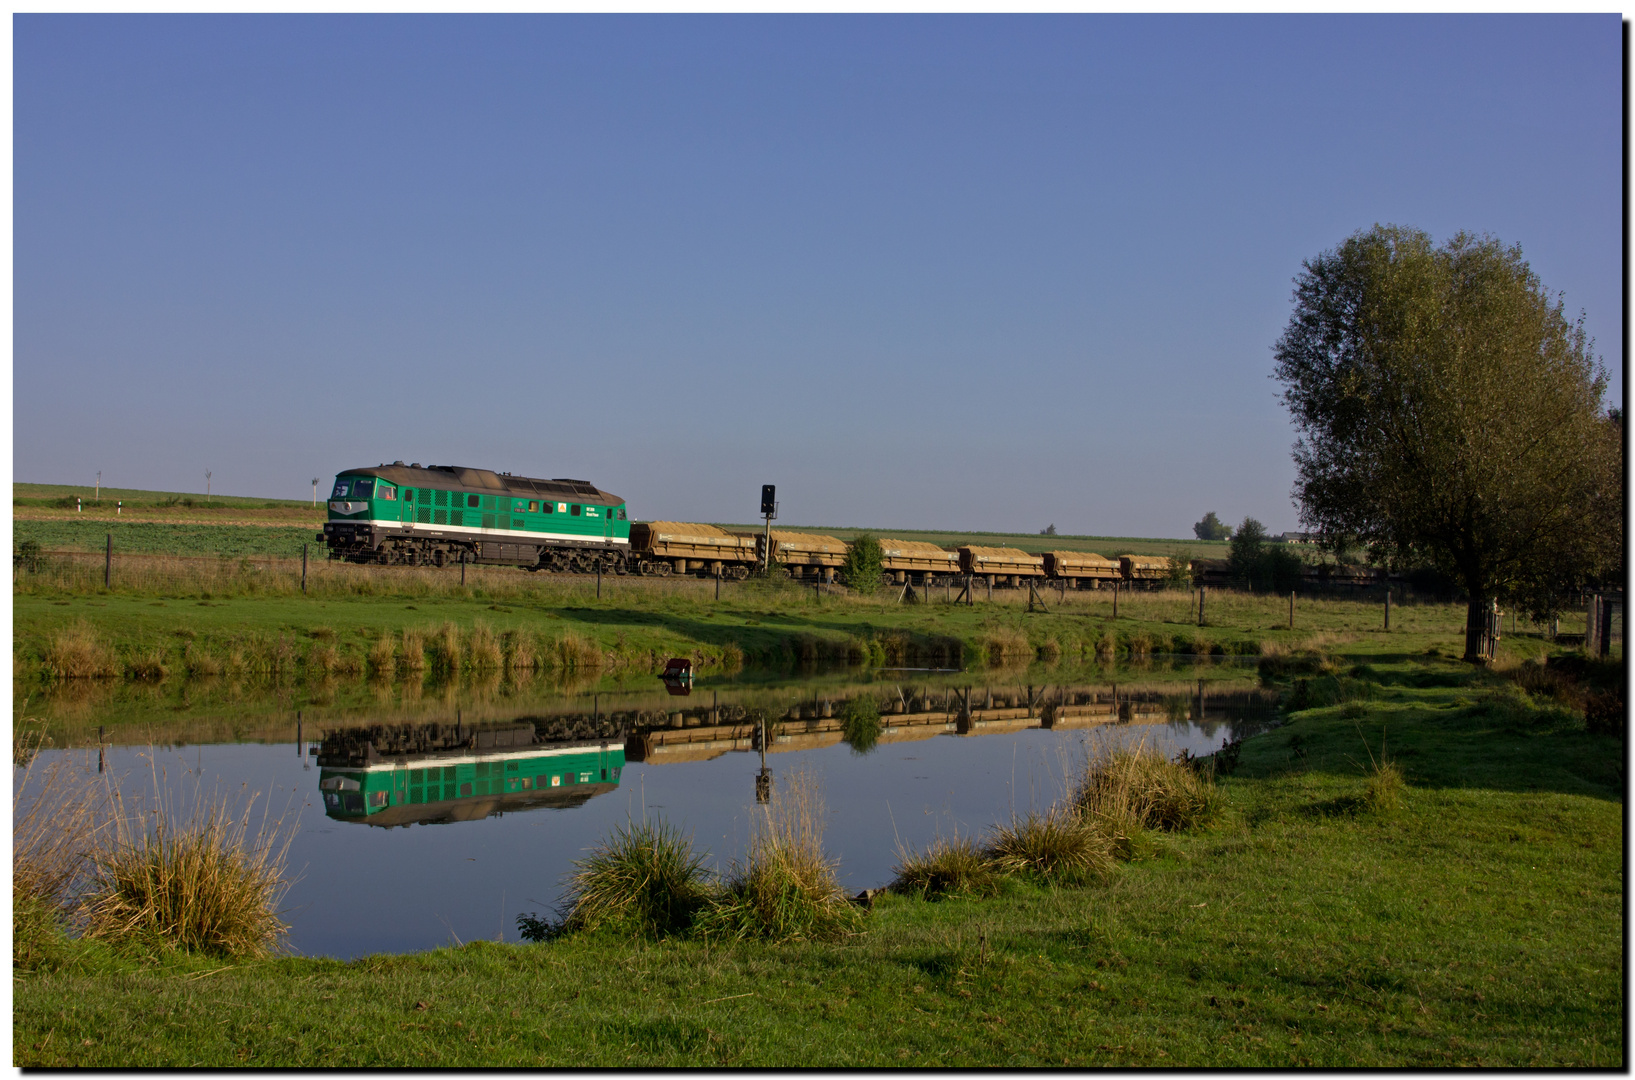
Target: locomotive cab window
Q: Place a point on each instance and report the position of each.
(362, 489)
(621, 516)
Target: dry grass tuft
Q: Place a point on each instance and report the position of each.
(202, 883)
(645, 880)
(786, 889)
(483, 649)
(1057, 845)
(445, 650)
(382, 655)
(1006, 646)
(411, 654)
(1127, 788)
(148, 665)
(570, 651)
(323, 658)
(76, 652)
(519, 651)
(199, 662)
(58, 812)
(955, 867)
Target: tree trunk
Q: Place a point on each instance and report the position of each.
(1475, 625)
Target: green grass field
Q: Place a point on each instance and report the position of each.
(1479, 922)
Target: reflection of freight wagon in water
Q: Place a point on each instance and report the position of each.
(664, 547)
(916, 560)
(467, 782)
(806, 555)
(1001, 566)
(1082, 569)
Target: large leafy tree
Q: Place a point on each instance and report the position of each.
(1450, 415)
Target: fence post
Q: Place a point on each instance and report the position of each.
(598, 581)
(1116, 585)
(1291, 608)
(108, 564)
(718, 583)
(462, 568)
(1202, 592)
(303, 569)
(1387, 609)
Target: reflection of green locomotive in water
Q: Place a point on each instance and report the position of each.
(437, 773)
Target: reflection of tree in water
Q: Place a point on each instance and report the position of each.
(860, 724)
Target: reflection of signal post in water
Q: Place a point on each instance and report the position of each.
(429, 774)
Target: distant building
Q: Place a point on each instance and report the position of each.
(1297, 538)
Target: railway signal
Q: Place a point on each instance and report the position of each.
(769, 508)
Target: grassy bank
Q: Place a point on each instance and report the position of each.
(165, 617)
(1474, 917)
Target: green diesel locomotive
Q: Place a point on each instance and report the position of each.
(410, 515)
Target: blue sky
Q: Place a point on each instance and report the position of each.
(935, 272)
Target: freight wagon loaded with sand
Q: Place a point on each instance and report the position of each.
(662, 548)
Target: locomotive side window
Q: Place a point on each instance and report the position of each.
(533, 505)
(386, 491)
(547, 507)
(575, 509)
(471, 500)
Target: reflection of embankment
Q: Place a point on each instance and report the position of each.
(705, 732)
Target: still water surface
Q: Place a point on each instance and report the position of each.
(385, 859)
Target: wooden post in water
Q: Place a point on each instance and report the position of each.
(303, 569)
(108, 564)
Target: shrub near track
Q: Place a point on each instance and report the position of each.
(1478, 923)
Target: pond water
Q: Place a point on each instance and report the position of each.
(423, 827)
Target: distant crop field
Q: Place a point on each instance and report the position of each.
(164, 538)
(50, 494)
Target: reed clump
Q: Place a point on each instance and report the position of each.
(1006, 645)
(382, 655)
(59, 812)
(148, 665)
(786, 888)
(202, 882)
(483, 649)
(411, 653)
(445, 650)
(76, 652)
(518, 647)
(1128, 788)
(1385, 784)
(645, 879)
(1057, 845)
(570, 651)
(947, 867)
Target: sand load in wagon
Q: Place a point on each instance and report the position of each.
(1082, 569)
(682, 547)
(1147, 569)
(925, 563)
(1006, 566)
(807, 555)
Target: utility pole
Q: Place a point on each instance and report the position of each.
(99, 486)
(315, 493)
(207, 483)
